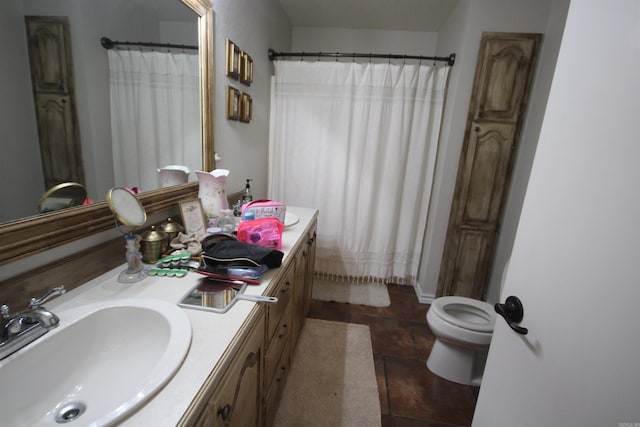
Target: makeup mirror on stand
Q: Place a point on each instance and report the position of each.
(129, 214)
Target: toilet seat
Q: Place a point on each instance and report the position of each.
(470, 314)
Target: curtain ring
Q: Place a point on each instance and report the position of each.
(337, 54)
(353, 58)
(404, 59)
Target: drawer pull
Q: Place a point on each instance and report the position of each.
(224, 412)
(283, 371)
(284, 331)
(285, 288)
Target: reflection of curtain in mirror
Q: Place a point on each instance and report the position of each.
(155, 114)
(358, 142)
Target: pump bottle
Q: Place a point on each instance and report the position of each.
(247, 197)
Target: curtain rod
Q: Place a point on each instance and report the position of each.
(273, 55)
(107, 43)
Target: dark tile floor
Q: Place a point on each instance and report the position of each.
(410, 395)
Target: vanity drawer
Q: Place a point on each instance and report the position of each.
(276, 387)
(275, 311)
(278, 346)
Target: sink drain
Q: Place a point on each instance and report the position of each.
(70, 412)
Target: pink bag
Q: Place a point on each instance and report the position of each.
(259, 209)
(265, 232)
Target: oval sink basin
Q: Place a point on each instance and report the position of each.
(101, 363)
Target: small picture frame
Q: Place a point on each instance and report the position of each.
(233, 103)
(246, 108)
(233, 57)
(193, 218)
(246, 69)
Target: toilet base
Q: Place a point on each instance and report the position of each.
(462, 365)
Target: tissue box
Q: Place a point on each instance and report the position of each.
(259, 209)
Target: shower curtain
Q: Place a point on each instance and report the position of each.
(358, 142)
(155, 114)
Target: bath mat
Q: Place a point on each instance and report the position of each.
(371, 294)
(332, 380)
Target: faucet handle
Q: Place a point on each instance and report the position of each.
(36, 302)
(4, 311)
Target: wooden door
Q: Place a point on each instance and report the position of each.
(49, 43)
(503, 76)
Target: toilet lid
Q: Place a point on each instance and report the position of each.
(467, 313)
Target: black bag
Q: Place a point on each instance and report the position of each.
(227, 250)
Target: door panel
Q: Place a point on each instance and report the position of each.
(503, 75)
(489, 155)
(471, 262)
(503, 78)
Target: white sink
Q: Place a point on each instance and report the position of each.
(103, 362)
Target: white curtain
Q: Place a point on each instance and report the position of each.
(358, 142)
(155, 114)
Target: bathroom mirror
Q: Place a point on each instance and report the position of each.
(62, 196)
(126, 207)
(41, 232)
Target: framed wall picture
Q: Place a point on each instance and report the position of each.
(246, 69)
(193, 218)
(246, 108)
(233, 103)
(233, 58)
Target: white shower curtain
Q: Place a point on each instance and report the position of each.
(358, 142)
(155, 114)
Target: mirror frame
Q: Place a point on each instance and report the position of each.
(35, 234)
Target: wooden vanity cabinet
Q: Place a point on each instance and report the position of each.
(252, 383)
(237, 399)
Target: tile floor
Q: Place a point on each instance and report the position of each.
(410, 395)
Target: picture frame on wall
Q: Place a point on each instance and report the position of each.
(246, 69)
(246, 108)
(233, 103)
(233, 58)
(193, 218)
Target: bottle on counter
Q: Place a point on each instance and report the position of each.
(247, 197)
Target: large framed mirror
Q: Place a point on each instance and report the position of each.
(36, 233)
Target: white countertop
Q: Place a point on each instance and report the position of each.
(212, 332)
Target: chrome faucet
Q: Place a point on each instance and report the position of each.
(24, 327)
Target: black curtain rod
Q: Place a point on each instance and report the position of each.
(107, 43)
(273, 55)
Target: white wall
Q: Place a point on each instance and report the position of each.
(308, 39)
(19, 191)
(255, 26)
(462, 33)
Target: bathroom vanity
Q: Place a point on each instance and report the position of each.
(236, 366)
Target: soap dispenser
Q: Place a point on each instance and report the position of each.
(247, 197)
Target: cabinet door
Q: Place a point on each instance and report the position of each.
(50, 57)
(299, 295)
(237, 401)
(503, 75)
(61, 158)
(308, 275)
(49, 43)
(504, 66)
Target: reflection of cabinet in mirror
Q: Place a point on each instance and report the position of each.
(49, 46)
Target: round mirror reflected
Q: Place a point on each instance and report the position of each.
(126, 207)
(62, 196)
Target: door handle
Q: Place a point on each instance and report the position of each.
(512, 312)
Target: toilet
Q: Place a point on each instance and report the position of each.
(463, 328)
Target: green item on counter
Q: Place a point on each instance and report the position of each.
(173, 260)
(167, 272)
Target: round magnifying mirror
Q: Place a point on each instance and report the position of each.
(62, 196)
(126, 207)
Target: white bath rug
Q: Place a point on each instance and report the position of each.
(371, 294)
